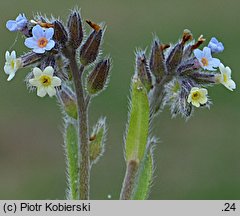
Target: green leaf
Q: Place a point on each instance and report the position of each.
(72, 153)
(138, 123)
(97, 140)
(144, 179)
(71, 109)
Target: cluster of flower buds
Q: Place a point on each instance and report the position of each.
(177, 75)
(52, 43)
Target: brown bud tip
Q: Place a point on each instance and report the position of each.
(200, 41)
(164, 46)
(45, 25)
(95, 26)
(187, 35)
(142, 69)
(97, 79)
(60, 33)
(75, 29)
(90, 49)
(92, 137)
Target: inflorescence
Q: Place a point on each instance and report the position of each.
(177, 75)
(51, 42)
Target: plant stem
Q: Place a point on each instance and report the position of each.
(129, 180)
(82, 127)
(158, 93)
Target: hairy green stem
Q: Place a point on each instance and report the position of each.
(82, 127)
(129, 180)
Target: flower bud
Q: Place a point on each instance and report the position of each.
(143, 71)
(60, 33)
(90, 49)
(157, 64)
(203, 77)
(189, 49)
(68, 100)
(176, 54)
(185, 107)
(97, 79)
(75, 29)
(188, 66)
(30, 58)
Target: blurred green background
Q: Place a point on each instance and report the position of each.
(197, 159)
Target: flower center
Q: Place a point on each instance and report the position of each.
(225, 78)
(12, 64)
(195, 96)
(45, 80)
(204, 61)
(42, 42)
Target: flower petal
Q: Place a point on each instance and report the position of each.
(48, 71)
(231, 85)
(39, 50)
(193, 89)
(51, 91)
(11, 25)
(30, 43)
(37, 72)
(7, 69)
(41, 91)
(228, 71)
(13, 54)
(37, 32)
(207, 52)
(56, 81)
(198, 53)
(49, 33)
(215, 62)
(203, 100)
(50, 45)
(34, 82)
(7, 55)
(214, 40)
(195, 103)
(210, 68)
(203, 91)
(221, 68)
(189, 98)
(11, 75)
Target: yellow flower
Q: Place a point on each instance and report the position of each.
(225, 77)
(197, 96)
(12, 64)
(45, 81)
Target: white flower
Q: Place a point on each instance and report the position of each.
(45, 81)
(12, 64)
(206, 60)
(197, 96)
(225, 77)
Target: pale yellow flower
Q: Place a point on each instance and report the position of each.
(12, 64)
(225, 77)
(45, 81)
(197, 96)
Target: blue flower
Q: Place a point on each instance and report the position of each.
(41, 40)
(206, 60)
(18, 24)
(215, 45)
